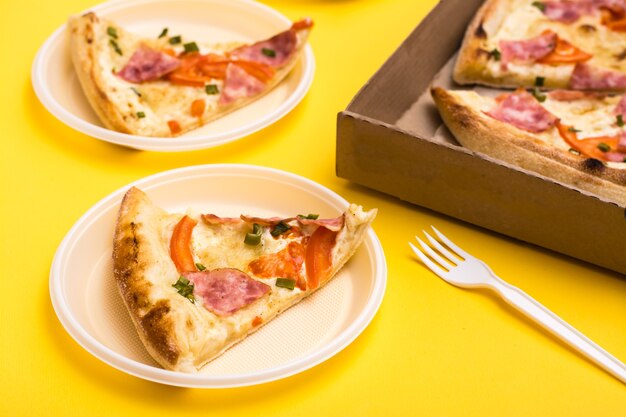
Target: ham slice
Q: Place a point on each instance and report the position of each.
(227, 290)
(529, 49)
(274, 52)
(588, 77)
(239, 85)
(621, 108)
(334, 225)
(147, 64)
(522, 110)
(567, 11)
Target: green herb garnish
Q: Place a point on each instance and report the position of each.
(185, 288)
(175, 40)
(163, 32)
(539, 81)
(191, 47)
(140, 115)
(211, 89)
(540, 5)
(279, 229)
(200, 267)
(115, 46)
(573, 130)
(538, 95)
(288, 283)
(309, 216)
(604, 147)
(112, 32)
(254, 238)
(268, 52)
(495, 54)
(136, 91)
(620, 120)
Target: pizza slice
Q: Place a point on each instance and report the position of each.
(575, 137)
(564, 44)
(195, 284)
(168, 85)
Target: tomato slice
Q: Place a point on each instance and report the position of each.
(197, 107)
(180, 245)
(565, 53)
(305, 23)
(591, 146)
(319, 256)
(613, 19)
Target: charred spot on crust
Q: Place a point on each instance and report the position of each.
(480, 31)
(586, 28)
(155, 325)
(621, 56)
(593, 165)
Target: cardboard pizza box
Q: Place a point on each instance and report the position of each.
(391, 138)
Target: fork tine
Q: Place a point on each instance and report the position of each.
(442, 261)
(442, 249)
(430, 264)
(450, 244)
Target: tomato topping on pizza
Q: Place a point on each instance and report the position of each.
(564, 52)
(605, 148)
(319, 255)
(286, 263)
(180, 245)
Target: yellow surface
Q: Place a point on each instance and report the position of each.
(431, 350)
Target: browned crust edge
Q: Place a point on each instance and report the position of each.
(481, 133)
(131, 258)
(83, 40)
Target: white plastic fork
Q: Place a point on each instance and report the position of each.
(471, 272)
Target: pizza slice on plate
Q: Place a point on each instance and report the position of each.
(168, 85)
(575, 137)
(195, 284)
(578, 45)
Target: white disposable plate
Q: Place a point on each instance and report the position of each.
(57, 86)
(85, 297)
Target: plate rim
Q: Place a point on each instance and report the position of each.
(155, 144)
(163, 376)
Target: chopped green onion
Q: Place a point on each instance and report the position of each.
(163, 32)
(112, 32)
(604, 147)
(184, 288)
(620, 120)
(136, 91)
(624, 159)
(115, 46)
(288, 283)
(200, 267)
(254, 238)
(191, 47)
(540, 5)
(175, 40)
(495, 54)
(279, 229)
(140, 115)
(211, 89)
(539, 81)
(268, 52)
(537, 94)
(309, 216)
(573, 130)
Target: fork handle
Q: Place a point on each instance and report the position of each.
(560, 328)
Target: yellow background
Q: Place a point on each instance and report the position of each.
(432, 349)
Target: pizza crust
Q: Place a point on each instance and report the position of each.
(178, 334)
(481, 133)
